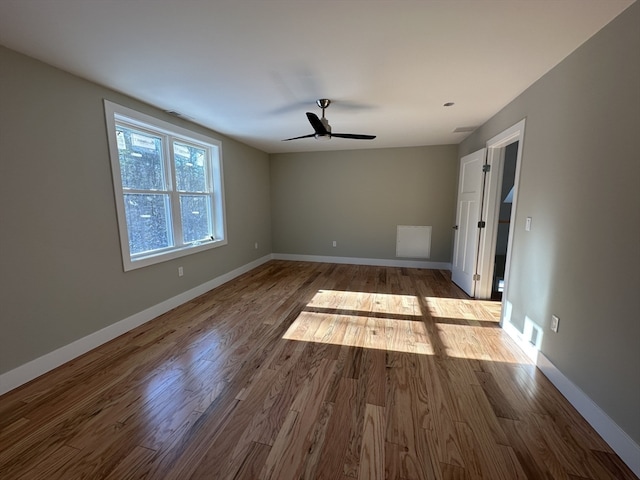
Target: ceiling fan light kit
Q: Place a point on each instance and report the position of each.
(322, 128)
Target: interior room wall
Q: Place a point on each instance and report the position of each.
(579, 184)
(62, 275)
(358, 197)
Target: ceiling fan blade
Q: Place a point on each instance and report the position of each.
(356, 136)
(311, 135)
(317, 124)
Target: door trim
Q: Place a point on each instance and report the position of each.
(491, 208)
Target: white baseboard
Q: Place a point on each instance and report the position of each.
(376, 262)
(41, 365)
(618, 440)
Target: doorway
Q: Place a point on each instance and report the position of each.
(504, 220)
(501, 171)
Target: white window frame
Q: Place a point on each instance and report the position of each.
(115, 113)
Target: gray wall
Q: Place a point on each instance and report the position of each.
(580, 183)
(358, 197)
(62, 275)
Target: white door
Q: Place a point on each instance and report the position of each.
(465, 247)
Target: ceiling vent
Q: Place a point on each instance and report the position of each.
(178, 114)
(464, 129)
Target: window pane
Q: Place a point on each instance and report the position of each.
(140, 156)
(194, 210)
(148, 221)
(190, 168)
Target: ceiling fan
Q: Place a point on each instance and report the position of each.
(322, 129)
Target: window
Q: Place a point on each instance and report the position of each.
(168, 188)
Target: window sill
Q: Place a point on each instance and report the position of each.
(154, 258)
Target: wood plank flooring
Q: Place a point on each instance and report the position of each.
(305, 370)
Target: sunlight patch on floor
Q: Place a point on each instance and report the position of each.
(463, 341)
(464, 328)
(361, 331)
(478, 343)
(367, 302)
(466, 309)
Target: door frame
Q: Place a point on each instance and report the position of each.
(491, 208)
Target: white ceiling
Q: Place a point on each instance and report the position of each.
(251, 68)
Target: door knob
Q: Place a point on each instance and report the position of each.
(455, 227)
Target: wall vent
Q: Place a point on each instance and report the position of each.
(413, 241)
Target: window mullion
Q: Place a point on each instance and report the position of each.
(176, 218)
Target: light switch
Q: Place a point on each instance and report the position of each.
(527, 224)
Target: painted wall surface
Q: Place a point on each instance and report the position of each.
(580, 182)
(62, 275)
(358, 197)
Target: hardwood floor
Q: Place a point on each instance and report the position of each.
(305, 370)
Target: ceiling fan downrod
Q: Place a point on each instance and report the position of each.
(323, 103)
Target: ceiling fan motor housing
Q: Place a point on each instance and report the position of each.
(325, 122)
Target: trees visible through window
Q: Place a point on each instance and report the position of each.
(168, 188)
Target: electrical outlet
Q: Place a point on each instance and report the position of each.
(180, 271)
(335, 244)
(555, 321)
(256, 245)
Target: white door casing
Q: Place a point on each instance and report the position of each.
(491, 207)
(468, 211)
